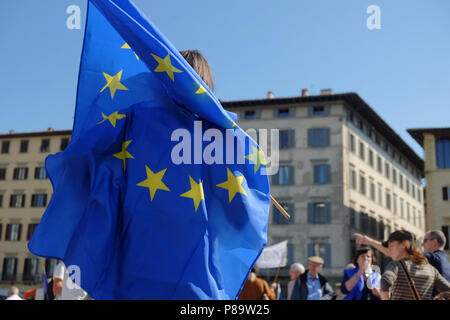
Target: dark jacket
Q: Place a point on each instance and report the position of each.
(300, 290)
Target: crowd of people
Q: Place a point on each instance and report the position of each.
(411, 275)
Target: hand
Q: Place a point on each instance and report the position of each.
(362, 239)
(273, 286)
(376, 292)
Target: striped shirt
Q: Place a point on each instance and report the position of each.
(425, 277)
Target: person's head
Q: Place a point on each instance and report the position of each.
(362, 255)
(13, 291)
(434, 240)
(296, 270)
(443, 296)
(198, 62)
(402, 244)
(315, 265)
(255, 269)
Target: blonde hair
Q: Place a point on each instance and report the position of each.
(198, 62)
(414, 253)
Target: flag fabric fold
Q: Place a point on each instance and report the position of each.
(138, 224)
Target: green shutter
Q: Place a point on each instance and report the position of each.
(310, 213)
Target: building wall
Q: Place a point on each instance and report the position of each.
(27, 214)
(438, 210)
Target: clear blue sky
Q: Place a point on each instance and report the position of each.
(253, 46)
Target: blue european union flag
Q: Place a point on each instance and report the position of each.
(138, 224)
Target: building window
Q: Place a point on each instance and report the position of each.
(394, 204)
(20, 173)
(380, 195)
(446, 231)
(364, 222)
(353, 178)
(40, 173)
(362, 184)
(9, 269)
(402, 208)
(352, 215)
(319, 213)
(38, 200)
(362, 151)
(413, 190)
(419, 192)
(45, 145)
(50, 265)
(31, 228)
(318, 111)
(379, 165)
(443, 153)
(352, 143)
(64, 144)
(394, 176)
(13, 232)
(408, 212)
(2, 173)
(30, 270)
(287, 139)
(322, 250)
(17, 201)
(388, 200)
(372, 191)
(400, 179)
(284, 112)
(445, 193)
(23, 146)
(1, 205)
(277, 216)
(5, 147)
(370, 157)
(319, 137)
(387, 170)
(407, 186)
(285, 176)
(322, 174)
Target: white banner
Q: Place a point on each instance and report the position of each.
(273, 256)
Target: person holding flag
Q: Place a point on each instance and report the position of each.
(136, 223)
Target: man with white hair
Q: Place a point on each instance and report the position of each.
(295, 271)
(13, 294)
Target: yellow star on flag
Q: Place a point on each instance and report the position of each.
(233, 185)
(196, 192)
(154, 182)
(113, 83)
(165, 65)
(113, 117)
(257, 157)
(124, 154)
(127, 46)
(200, 90)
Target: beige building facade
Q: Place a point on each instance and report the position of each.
(25, 191)
(436, 144)
(342, 170)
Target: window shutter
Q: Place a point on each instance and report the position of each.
(11, 199)
(292, 138)
(26, 174)
(33, 200)
(327, 255)
(15, 174)
(290, 257)
(311, 250)
(257, 114)
(327, 137)
(29, 232)
(291, 212)
(327, 109)
(8, 232)
(275, 178)
(45, 200)
(310, 213)
(274, 215)
(310, 111)
(291, 175)
(310, 137)
(328, 173)
(19, 232)
(276, 113)
(445, 193)
(291, 112)
(1, 229)
(23, 200)
(328, 212)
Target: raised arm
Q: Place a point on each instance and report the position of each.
(365, 240)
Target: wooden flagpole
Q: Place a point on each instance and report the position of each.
(280, 208)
